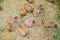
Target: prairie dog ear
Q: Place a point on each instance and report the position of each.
(28, 7)
(23, 31)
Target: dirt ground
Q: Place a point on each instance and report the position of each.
(37, 32)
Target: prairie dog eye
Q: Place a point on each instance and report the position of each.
(22, 12)
(27, 7)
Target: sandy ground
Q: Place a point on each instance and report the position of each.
(37, 32)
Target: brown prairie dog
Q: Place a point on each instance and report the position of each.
(29, 22)
(49, 24)
(27, 7)
(15, 18)
(10, 25)
(22, 12)
(36, 10)
(23, 31)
